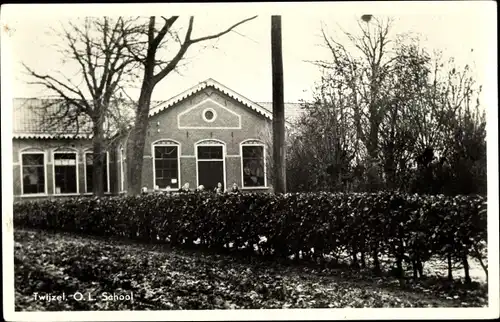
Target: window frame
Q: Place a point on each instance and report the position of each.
(211, 142)
(85, 171)
(214, 114)
(168, 143)
(21, 167)
(250, 143)
(121, 151)
(65, 151)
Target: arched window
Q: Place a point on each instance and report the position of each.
(166, 164)
(65, 170)
(210, 163)
(33, 173)
(253, 164)
(88, 169)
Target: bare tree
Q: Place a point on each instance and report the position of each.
(409, 117)
(145, 52)
(97, 48)
(325, 139)
(365, 73)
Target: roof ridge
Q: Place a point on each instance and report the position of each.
(218, 86)
(284, 102)
(24, 123)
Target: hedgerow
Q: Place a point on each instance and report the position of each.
(408, 228)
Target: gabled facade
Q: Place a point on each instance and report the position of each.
(205, 135)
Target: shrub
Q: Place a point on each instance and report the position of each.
(409, 228)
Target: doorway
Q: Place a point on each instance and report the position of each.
(210, 165)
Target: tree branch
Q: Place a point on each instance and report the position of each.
(193, 41)
(188, 42)
(168, 22)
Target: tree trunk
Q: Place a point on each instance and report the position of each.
(136, 141)
(401, 272)
(390, 169)
(399, 267)
(362, 255)
(420, 267)
(372, 145)
(355, 258)
(414, 266)
(450, 269)
(98, 158)
(481, 262)
(278, 108)
(390, 159)
(466, 269)
(376, 263)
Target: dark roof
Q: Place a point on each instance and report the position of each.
(292, 110)
(31, 119)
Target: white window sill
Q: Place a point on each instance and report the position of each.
(254, 188)
(41, 195)
(164, 190)
(35, 195)
(90, 193)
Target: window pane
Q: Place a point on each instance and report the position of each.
(253, 151)
(65, 178)
(209, 152)
(209, 115)
(253, 166)
(163, 183)
(89, 175)
(89, 159)
(65, 156)
(122, 170)
(32, 159)
(105, 173)
(158, 163)
(170, 164)
(89, 169)
(163, 152)
(166, 166)
(33, 173)
(210, 173)
(65, 159)
(89, 162)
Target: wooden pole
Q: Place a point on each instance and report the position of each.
(278, 108)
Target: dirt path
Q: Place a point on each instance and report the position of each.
(162, 278)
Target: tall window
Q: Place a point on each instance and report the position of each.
(210, 164)
(122, 169)
(65, 172)
(33, 173)
(89, 162)
(166, 166)
(253, 164)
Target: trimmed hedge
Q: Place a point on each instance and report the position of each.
(406, 227)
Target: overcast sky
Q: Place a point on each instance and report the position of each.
(242, 59)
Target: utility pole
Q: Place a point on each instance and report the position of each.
(278, 108)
